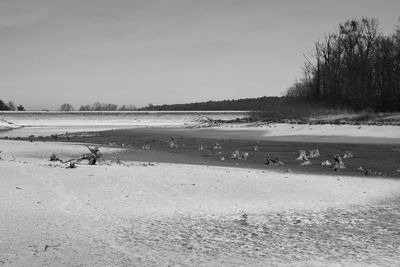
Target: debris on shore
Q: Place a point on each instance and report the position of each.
(326, 163)
(239, 155)
(269, 160)
(348, 155)
(92, 158)
(302, 155)
(172, 143)
(339, 165)
(313, 154)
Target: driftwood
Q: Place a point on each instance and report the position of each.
(239, 155)
(347, 155)
(172, 143)
(306, 163)
(217, 146)
(302, 155)
(217, 154)
(146, 147)
(269, 160)
(205, 121)
(92, 158)
(54, 157)
(339, 163)
(326, 163)
(313, 154)
(71, 165)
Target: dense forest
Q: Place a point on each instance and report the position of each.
(97, 106)
(264, 108)
(240, 104)
(357, 67)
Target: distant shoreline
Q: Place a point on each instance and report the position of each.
(127, 112)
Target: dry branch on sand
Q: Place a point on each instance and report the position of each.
(204, 121)
(91, 157)
(54, 157)
(71, 165)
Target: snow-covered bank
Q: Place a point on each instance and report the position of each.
(47, 123)
(114, 118)
(6, 126)
(151, 214)
(319, 130)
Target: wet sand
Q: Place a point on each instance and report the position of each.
(382, 159)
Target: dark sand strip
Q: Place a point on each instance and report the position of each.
(381, 159)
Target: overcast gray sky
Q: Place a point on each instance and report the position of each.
(163, 51)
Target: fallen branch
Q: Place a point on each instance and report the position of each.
(239, 155)
(313, 154)
(172, 143)
(269, 160)
(348, 155)
(92, 157)
(339, 163)
(302, 155)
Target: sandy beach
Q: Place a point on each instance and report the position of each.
(199, 133)
(150, 214)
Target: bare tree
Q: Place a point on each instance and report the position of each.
(357, 66)
(66, 107)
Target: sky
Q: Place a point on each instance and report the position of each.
(163, 51)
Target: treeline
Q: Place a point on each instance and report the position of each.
(97, 106)
(263, 108)
(357, 67)
(10, 106)
(240, 104)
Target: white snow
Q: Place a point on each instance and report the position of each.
(5, 125)
(285, 129)
(51, 216)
